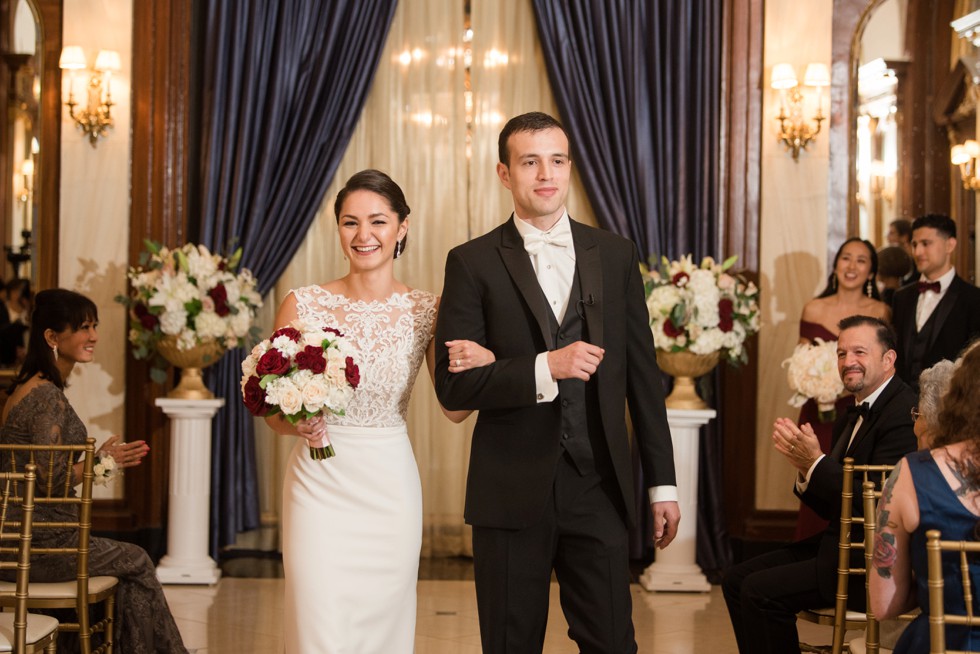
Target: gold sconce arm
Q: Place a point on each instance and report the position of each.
(95, 119)
(795, 132)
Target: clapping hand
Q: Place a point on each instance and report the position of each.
(797, 443)
(126, 455)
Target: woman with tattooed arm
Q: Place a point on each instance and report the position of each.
(932, 489)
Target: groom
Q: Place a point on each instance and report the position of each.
(550, 485)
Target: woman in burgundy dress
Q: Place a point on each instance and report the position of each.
(851, 290)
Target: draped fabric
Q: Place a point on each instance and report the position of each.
(283, 86)
(639, 89)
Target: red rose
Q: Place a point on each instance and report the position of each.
(288, 332)
(726, 311)
(352, 373)
(145, 318)
(680, 279)
(885, 554)
(671, 330)
(254, 397)
(220, 296)
(272, 362)
(311, 358)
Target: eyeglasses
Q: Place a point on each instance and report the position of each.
(915, 413)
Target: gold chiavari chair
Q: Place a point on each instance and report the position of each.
(56, 487)
(838, 616)
(938, 618)
(21, 631)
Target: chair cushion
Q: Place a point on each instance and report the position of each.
(62, 589)
(38, 627)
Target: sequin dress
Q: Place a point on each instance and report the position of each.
(352, 524)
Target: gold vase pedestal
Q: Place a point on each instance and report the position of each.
(685, 367)
(190, 362)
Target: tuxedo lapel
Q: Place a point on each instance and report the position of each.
(518, 265)
(943, 309)
(589, 265)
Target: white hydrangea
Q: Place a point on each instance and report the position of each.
(209, 325)
(286, 345)
(172, 322)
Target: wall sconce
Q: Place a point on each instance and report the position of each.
(965, 156)
(95, 119)
(794, 130)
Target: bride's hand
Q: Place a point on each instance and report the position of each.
(314, 430)
(466, 355)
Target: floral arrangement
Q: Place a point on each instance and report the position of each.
(300, 373)
(105, 470)
(812, 374)
(192, 296)
(701, 308)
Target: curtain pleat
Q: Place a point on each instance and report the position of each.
(638, 85)
(283, 86)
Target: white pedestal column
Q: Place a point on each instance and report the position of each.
(187, 560)
(675, 568)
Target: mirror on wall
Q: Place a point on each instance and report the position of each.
(23, 149)
(30, 140)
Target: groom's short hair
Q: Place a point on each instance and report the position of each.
(534, 121)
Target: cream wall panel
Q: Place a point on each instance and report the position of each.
(95, 216)
(793, 233)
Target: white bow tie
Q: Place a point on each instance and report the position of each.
(534, 242)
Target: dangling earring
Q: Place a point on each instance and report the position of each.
(399, 248)
(54, 348)
(868, 287)
(833, 282)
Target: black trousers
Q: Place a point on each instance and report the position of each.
(583, 538)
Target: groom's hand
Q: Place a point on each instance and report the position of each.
(576, 361)
(666, 517)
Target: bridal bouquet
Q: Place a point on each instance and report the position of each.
(190, 295)
(300, 374)
(812, 374)
(701, 308)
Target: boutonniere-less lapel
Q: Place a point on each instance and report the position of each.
(589, 264)
(943, 309)
(518, 265)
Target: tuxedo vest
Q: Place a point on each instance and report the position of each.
(581, 430)
(918, 346)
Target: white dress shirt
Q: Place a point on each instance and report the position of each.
(930, 299)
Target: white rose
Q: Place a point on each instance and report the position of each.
(283, 393)
(186, 340)
(315, 393)
(209, 325)
(248, 366)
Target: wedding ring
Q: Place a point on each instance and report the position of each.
(792, 447)
(457, 363)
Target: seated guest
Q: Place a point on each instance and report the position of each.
(932, 489)
(764, 594)
(933, 383)
(894, 265)
(938, 316)
(63, 333)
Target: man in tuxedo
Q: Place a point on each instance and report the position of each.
(764, 594)
(939, 315)
(550, 484)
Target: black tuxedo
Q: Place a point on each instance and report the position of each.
(765, 593)
(518, 462)
(954, 323)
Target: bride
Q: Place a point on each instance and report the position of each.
(352, 524)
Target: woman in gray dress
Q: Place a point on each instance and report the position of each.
(63, 333)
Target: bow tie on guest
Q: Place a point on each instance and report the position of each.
(533, 243)
(935, 287)
(859, 409)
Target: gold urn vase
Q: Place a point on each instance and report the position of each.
(685, 367)
(190, 362)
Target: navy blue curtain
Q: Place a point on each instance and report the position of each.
(283, 86)
(638, 85)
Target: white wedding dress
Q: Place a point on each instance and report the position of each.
(352, 524)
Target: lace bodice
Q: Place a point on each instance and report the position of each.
(390, 338)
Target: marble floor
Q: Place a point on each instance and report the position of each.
(242, 615)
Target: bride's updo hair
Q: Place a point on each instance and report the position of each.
(56, 309)
(376, 182)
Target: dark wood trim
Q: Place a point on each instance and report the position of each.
(769, 525)
(161, 167)
(741, 158)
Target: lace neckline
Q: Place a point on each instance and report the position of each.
(395, 298)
